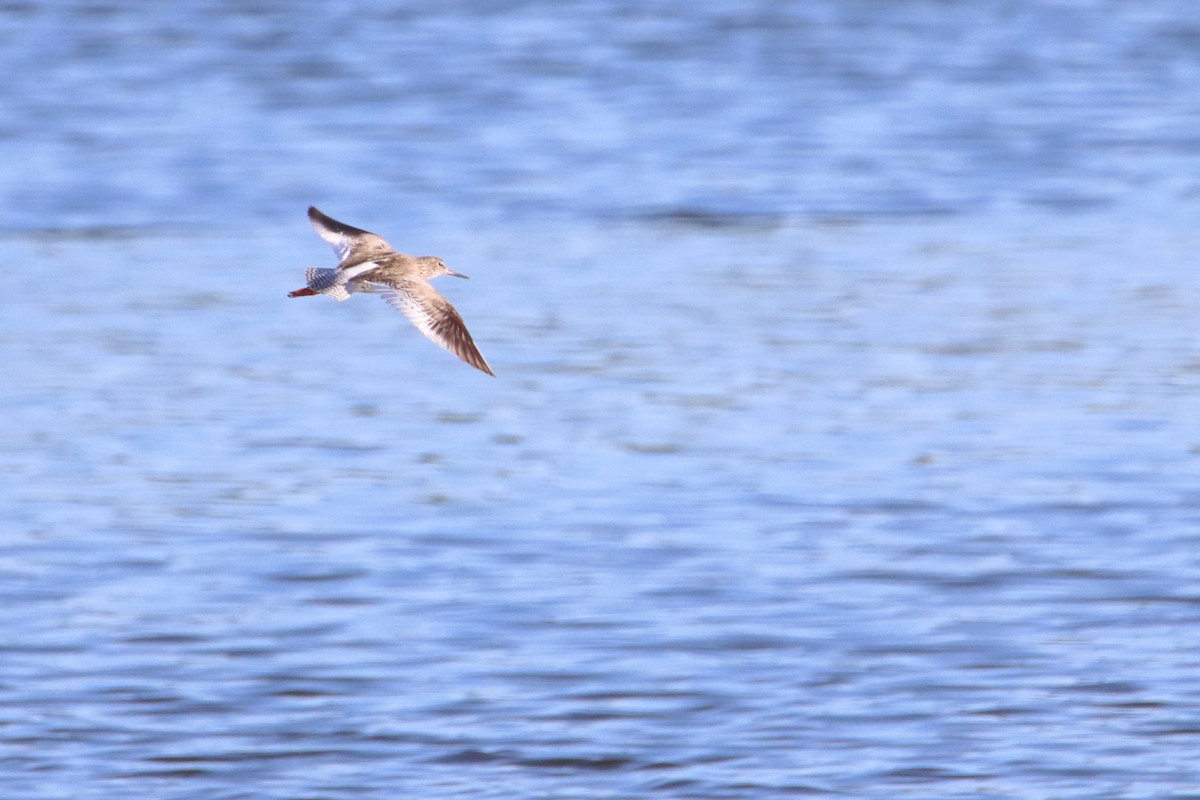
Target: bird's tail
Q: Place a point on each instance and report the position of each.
(328, 281)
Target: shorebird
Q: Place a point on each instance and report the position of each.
(369, 264)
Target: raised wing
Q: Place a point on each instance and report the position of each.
(436, 318)
(352, 245)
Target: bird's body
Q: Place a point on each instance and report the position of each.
(369, 264)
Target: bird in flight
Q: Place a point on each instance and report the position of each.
(369, 264)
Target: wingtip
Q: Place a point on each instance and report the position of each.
(471, 356)
(476, 360)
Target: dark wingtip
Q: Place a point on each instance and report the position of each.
(477, 361)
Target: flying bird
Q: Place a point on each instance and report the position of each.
(369, 264)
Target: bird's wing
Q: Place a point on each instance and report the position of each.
(352, 245)
(436, 318)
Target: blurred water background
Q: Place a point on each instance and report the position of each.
(845, 439)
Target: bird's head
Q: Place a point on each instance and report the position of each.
(432, 266)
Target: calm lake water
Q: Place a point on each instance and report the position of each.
(845, 442)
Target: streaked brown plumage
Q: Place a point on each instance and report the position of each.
(369, 264)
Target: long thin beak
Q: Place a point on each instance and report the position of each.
(457, 274)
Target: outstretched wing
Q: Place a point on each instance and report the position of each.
(352, 245)
(436, 318)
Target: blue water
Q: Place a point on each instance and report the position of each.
(845, 440)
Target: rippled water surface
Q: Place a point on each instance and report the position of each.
(845, 440)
